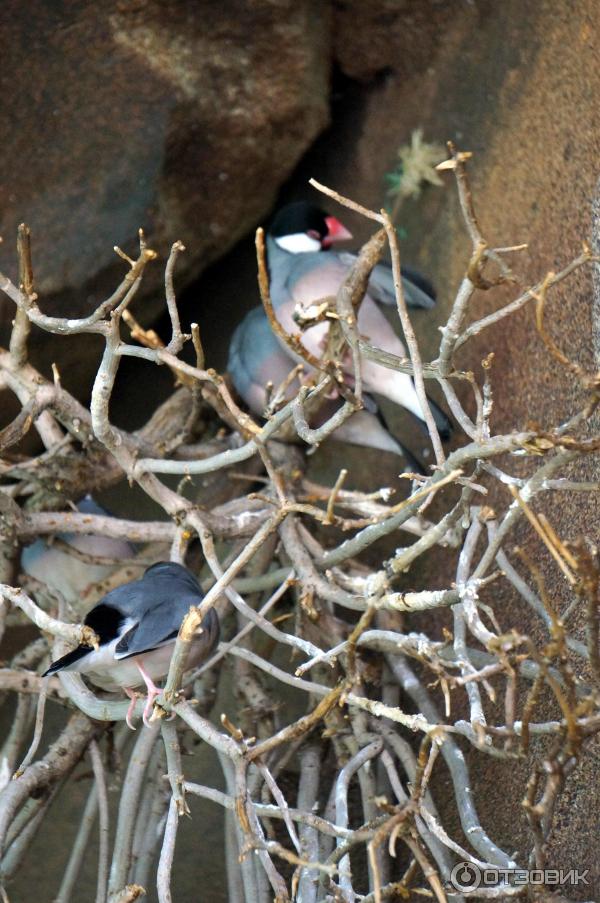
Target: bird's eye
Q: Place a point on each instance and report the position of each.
(312, 233)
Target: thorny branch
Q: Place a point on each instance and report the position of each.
(330, 784)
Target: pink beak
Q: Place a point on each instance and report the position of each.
(336, 232)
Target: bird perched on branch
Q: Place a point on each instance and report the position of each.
(256, 359)
(303, 269)
(137, 626)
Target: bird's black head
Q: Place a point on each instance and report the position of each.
(303, 226)
(299, 217)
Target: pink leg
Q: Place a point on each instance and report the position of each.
(133, 698)
(153, 692)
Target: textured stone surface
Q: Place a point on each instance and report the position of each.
(183, 117)
(399, 36)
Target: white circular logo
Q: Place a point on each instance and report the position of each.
(465, 877)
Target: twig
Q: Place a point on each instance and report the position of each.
(22, 325)
(341, 804)
(165, 863)
(177, 337)
(102, 798)
(62, 756)
(175, 770)
(38, 729)
(70, 632)
(132, 786)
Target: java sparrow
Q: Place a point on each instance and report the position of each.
(73, 578)
(137, 625)
(302, 266)
(303, 269)
(256, 358)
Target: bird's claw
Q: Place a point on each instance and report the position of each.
(149, 711)
(153, 693)
(133, 698)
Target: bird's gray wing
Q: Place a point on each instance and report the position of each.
(256, 358)
(157, 605)
(155, 626)
(131, 600)
(417, 291)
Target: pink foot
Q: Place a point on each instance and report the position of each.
(153, 692)
(133, 698)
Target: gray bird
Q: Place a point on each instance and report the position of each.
(303, 269)
(256, 358)
(137, 625)
(52, 565)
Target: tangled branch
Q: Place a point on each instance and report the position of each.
(336, 803)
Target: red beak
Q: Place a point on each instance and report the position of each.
(336, 232)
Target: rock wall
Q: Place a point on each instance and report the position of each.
(182, 117)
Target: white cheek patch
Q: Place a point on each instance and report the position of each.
(298, 243)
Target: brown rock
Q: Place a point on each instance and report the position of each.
(373, 36)
(182, 117)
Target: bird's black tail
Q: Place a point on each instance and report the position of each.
(69, 659)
